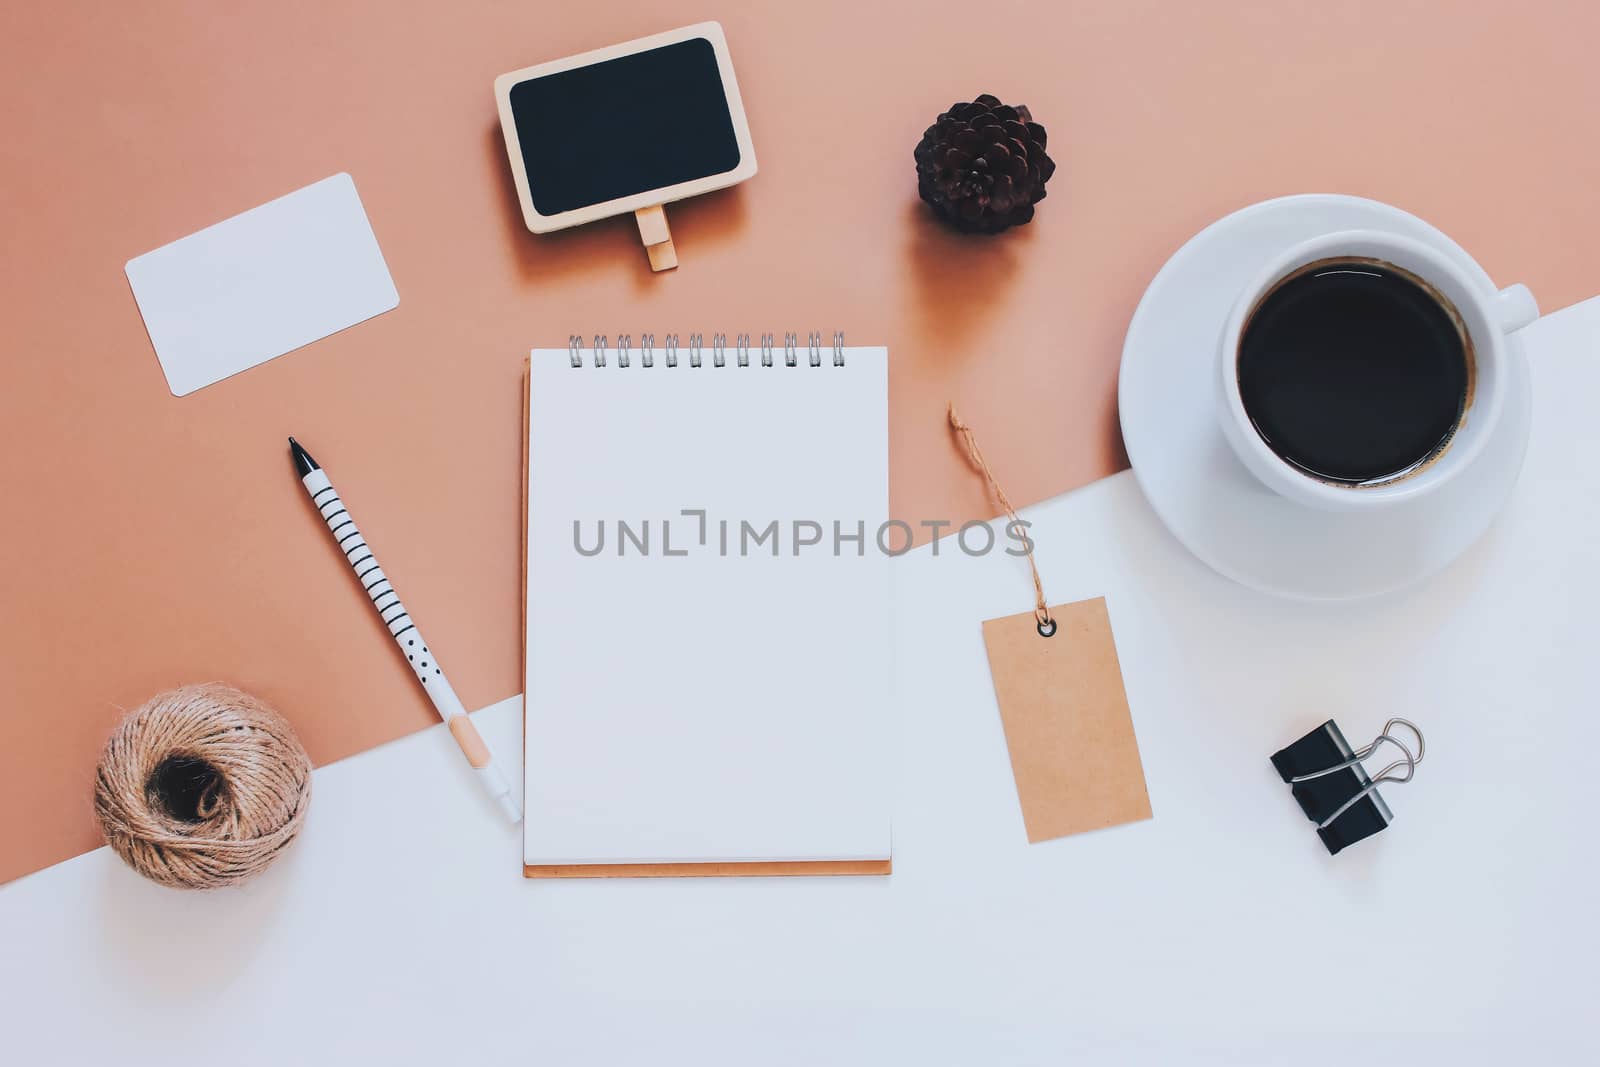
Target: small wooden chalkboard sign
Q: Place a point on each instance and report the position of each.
(627, 128)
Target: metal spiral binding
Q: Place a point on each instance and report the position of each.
(696, 347)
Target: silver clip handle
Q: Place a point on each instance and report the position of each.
(1406, 760)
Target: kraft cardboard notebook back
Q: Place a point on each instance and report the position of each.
(706, 613)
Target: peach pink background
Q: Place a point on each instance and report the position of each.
(151, 541)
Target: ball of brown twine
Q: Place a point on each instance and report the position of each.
(202, 787)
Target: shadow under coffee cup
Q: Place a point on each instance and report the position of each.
(1360, 369)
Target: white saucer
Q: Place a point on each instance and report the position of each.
(1166, 397)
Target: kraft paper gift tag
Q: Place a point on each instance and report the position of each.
(1062, 704)
(1073, 751)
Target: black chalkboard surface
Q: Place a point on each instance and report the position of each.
(624, 126)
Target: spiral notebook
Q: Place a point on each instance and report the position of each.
(707, 608)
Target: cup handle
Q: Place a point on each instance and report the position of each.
(1515, 307)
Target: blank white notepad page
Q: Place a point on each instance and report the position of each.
(707, 688)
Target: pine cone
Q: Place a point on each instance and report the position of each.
(982, 166)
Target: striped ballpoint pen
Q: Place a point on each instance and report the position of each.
(401, 627)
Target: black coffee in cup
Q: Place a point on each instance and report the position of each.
(1355, 371)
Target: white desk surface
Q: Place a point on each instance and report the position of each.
(400, 927)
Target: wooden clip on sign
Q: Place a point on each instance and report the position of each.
(657, 237)
(626, 129)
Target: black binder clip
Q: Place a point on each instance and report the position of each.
(1334, 790)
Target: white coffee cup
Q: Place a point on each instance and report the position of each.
(1486, 316)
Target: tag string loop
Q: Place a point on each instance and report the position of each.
(1040, 612)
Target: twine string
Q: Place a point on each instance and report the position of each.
(1040, 612)
(201, 787)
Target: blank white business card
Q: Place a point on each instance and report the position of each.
(261, 284)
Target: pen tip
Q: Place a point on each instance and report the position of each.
(303, 463)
